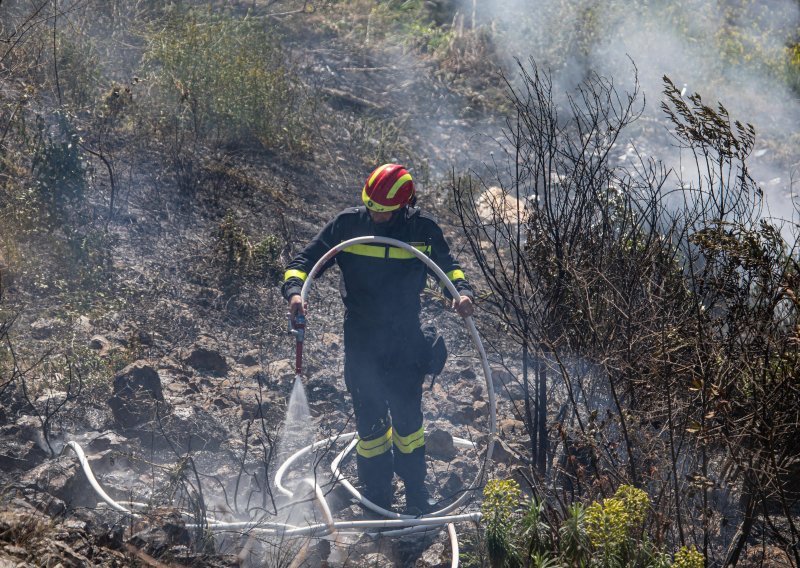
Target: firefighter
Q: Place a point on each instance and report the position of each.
(386, 353)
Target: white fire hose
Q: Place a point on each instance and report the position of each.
(399, 523)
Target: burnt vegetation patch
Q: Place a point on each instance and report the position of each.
(160, 162)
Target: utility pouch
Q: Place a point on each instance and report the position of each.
(436, 355)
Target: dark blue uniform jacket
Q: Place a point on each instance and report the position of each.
(380, 284)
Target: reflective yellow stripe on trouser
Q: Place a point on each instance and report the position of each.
(375, 446)
(407, 444)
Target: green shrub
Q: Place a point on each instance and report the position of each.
(239, 257)
(605, 533)
(688, 557)
(614, 525)
(607, 524)
(59, 167)
(573, 544)
(500, 502)
(225, 80)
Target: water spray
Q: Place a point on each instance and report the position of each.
(399, 524)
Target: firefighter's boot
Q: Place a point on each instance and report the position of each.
(419, 501)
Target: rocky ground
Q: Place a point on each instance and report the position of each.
(188, 413)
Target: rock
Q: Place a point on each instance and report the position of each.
(376, 559)
(439, 444)
(322, 407)
(168, 530)
(331, 341)
(254, 403)
(255, 374)
(62, 478)
(467, 374)
(51, 400)
(45, 328)
(191, 428)
(480, 408)
(464, 415)
(451, 485)
(108, 441)
(19, 454)
(204, 357)
(477, 392)
(281, 370)
(172, 366)
(501, 377)
(82, 324)
(505, 454)
(510, 427)
(96, 418)
(432, 557)
(27, 428)
(319, 389)
(143, 337)
(137, 392)
(99, 343)
(338, 498)
(461, 392)
(107, 460)
(138, 377)
(463, 465)
(250, 359)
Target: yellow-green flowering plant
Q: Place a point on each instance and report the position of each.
(501, 499)
(688, 557)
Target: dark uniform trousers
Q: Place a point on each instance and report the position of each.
(383, 372)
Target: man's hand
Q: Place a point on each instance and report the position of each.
(464, 306)
(296, 306)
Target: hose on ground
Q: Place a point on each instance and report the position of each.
(399, 524)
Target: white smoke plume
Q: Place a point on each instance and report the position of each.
(727, 51)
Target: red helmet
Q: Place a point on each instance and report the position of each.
(389, 187)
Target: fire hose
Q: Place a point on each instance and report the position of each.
(399, 524)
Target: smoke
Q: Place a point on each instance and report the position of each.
(730, 52)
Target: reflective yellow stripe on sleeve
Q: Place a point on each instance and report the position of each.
(295, 274)
(456, 274)
(380, 251)
(376, 446)
(407, 444)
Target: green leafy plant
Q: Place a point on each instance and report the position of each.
(535, 530)
(605, 533)
(573, 544)
(500, 502)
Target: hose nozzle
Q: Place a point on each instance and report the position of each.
(297, 326)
